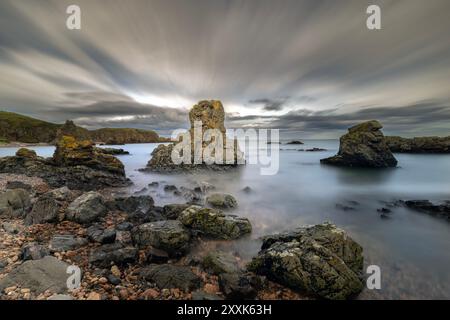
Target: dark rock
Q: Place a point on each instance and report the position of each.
(141, 192)
(125, 226)
(34, 251)
(96, 233)
(124, 238)
(170, 188)
(114, 280)
(109, 254)
(419, 145)
(247, 190)
(168, 276)
(200, 295)
(222, 201)
(426, 206)
(169, 235)
(315, 150)
(154, 184)
(112, 151)
(240, 286)
(344, 207)
(135, 205)
(321, 260)
(87, 208)
(61, 243)
(363, 146)
(173, 211)
(40, 275)
(155, 255)
(18, 185)
(218, 262)
(45, 210)
(295, 142)
(214, 223)
(14, 203)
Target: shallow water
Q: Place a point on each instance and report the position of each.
(411, 248)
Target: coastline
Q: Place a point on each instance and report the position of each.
(16, 144)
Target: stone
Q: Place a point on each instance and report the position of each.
(222, 201)
(133, 204)
(168, 235)
(114, 280)
(173, 211)
(87, 208)
(320, 260)
(426, 206)
(34, 251)
(295, 142)
(41, 275)
(240, 286)
(60, 243)
(218, 262)
(214, 223)
(18, 185)
(125, 226)
(26, 153)
(155, 255)
(363, 146)
(60, 297)
(62, 194)
(45, 210)
(200, 295)
(14, 203)
(113, 254)
(168, 276)
(96, 233)
(12, 228)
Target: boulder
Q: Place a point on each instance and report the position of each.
(12, 228)
(97, 233)
(222, 201)
(156, 255)
(45, 210)
(173, 211)
(135, 203)
(426, 206)
(40, 275)
(87, 208)
(18, 185)
(363, 146)
(14, 203)
(168, 235)
(61, 243)
(26, 153)
(214, 223)
(113, 254)
(218, 262)
(168, 276)
(240, 286)
(321, 260)
(34, 251)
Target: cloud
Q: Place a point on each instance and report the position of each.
(269, 104)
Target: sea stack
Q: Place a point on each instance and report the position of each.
(363, 146)
(207, 114)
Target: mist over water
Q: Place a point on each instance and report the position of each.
(410, 247)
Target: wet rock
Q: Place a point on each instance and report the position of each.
(426, 206)
(45, 210)
(155, 255)
(113, 254)
(190, 195)
(204, 187)
(61, 243)
(170, 188)
(419, 144)
(87, 208)
(240, 286)
(143, 191)
(247, 190)
(125, 226)
(320, 260)
(218, 262)
(363, 146)
(14, 203)
(34, 251)
(96, 233)
(168, 276)
(168, 235)
(154, 184)
(214, 223)
(295, 142)
(137, 207)
(222, 201)
(41, 275)
(112, 151)
(173, 211)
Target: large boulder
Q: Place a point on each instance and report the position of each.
(173, 211)
(222, 201)
(419, 144)
(168, 235)
(170, 276)
(240, 286)
(69, 242)
(113, 254)
(363, 146)
(14, 203)
(214, 223)
(218, 262)
(321, 260)
(45, 210)
(87, 208)
(40, 275)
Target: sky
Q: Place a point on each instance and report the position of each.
(310, 68)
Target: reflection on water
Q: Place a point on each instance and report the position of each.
(411, 248)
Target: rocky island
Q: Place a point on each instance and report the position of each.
(419, 144)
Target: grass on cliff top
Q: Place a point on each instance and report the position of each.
(18, 120)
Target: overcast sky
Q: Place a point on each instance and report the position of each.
(310, 67)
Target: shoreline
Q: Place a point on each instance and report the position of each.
(16, 144)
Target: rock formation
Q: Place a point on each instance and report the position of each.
(75, 164)
(321, 260)
(363, 146)
(211, 115)
(419, 145)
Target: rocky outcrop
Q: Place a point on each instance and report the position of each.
(211, 115)
(75, 164)
(363, 146)
(321, 260)
(213, 223)
(419, 144)
(426, 206)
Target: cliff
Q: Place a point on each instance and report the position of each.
(419, 144)
(19, 128)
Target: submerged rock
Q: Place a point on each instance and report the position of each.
(222, 201)
(295, 142)
(363, 146)
(419, 144)
(168, 276)
(87, 208)
(426, 206)
(321, 260)
(168, 235)
(214, 223)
